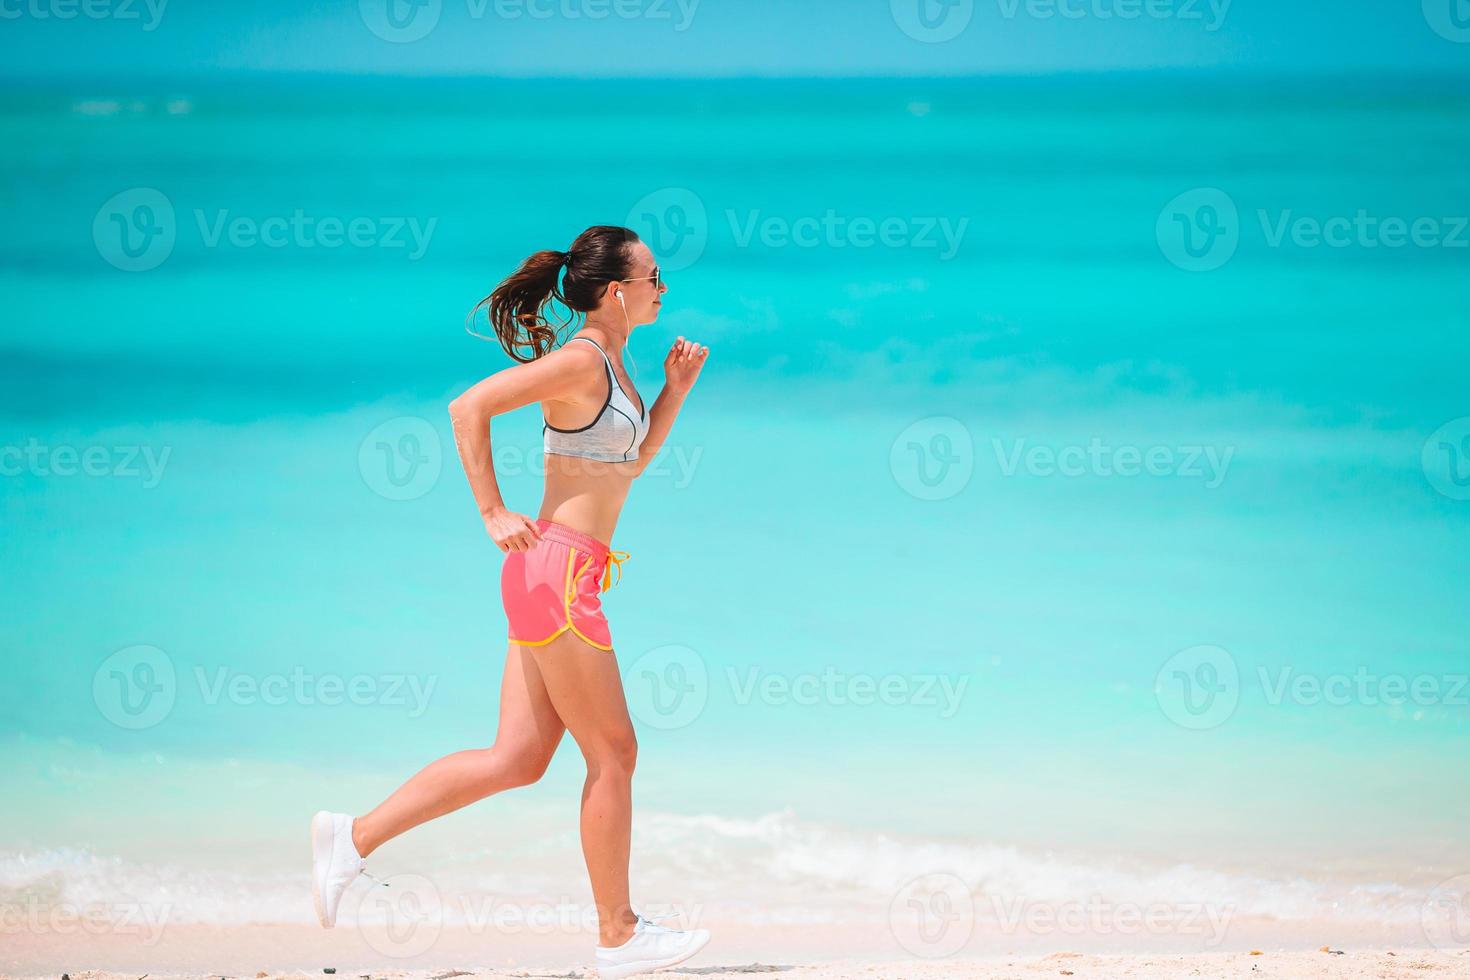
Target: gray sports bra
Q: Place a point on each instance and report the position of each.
(613, 436)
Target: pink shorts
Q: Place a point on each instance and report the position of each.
(556, 586)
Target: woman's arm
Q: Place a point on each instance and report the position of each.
(559, 374)
(681, 370)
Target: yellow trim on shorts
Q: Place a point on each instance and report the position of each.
(567, 592)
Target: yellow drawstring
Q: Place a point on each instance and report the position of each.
(613, 558)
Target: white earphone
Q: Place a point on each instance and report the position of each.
(619, 295)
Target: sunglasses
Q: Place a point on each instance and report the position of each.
(657, 277)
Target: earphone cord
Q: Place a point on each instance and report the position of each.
(627, 333)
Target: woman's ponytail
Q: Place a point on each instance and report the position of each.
(517, 309)
(517, 306)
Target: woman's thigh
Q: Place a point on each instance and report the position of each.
(530, 725)
(586, 690)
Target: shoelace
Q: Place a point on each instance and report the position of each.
(613, 558)
(368, 874)
(652, 919)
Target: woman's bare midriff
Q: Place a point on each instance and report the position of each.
(585, 494)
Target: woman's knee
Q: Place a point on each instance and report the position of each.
(616, 753)
(508, 768)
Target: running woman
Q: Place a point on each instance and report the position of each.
(560, 670)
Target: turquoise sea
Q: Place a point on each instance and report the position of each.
(1075, 501)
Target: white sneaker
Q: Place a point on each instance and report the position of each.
(650, 948)
(335, 863)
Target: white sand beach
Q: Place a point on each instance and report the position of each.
(1297, 965)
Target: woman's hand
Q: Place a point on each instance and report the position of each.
(681, 367)
(512, 531)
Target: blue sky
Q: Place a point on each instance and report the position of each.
(692, 38)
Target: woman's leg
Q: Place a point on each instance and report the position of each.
(587, 690)
(525, 740)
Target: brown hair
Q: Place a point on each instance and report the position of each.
(517, 308)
